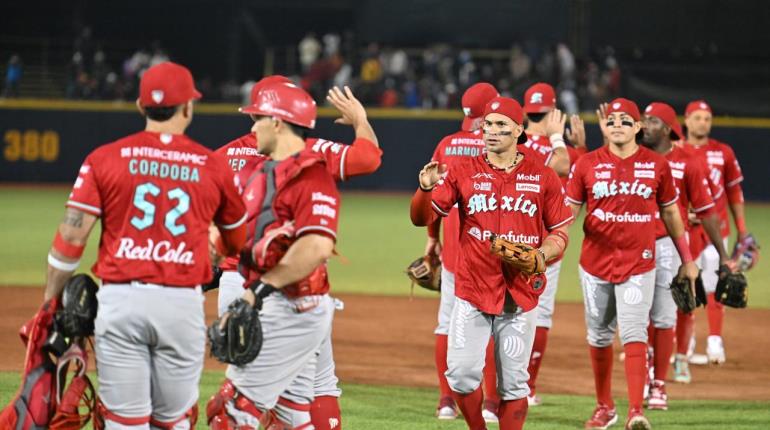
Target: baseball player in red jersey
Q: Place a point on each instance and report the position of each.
(500, 192)
(691, 179)
(545, 132)
(342, 161)
(623, 186)
(725, 171)
(156, 193)
(290, 189)
(465, 143)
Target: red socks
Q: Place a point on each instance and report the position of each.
(636, 372)
(538, 351)
(663, 346)
(441, 366)
(513, 414)
(716, 313)
(470, 406)
(684, 329)
(601, 361)
(325, 413)
(490, 375)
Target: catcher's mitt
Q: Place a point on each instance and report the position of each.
(746, 253)
(240, 341)
(426, 272)
(77, 312)
(521, 256)
(683, 296)
(732, 288)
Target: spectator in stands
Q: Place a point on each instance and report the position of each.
(309, 49)
(13, 74)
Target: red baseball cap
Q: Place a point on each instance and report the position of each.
(508, 107)
(272, 79)
(625, 106)
(539, 98)
(474, 99)
(167, 84)
(666, 114)
(285, 101)
(697, 105)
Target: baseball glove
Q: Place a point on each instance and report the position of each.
(426, 272)
(240, 340)
(746, 253)
(732, 288)
(521, 256)
(683, 295)
(76, 315)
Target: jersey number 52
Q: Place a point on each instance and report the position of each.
(141, 203)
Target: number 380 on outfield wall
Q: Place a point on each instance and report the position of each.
(31, 145)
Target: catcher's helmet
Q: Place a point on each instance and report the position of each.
(285, 101)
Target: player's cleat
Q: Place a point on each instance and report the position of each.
(446, 409)
(489, 416)
(682, 369)
(637, 421)
(715, 350)
(534, 400)
(658, 398)
(602, 418)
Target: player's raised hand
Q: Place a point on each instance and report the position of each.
(601, 114)
(431, 174)
(350, 108)
(554, 122)
(577, 132)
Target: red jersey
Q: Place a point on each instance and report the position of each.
(298, 189)
(542, 144)
(522, 205)
(342, 161)
(622, 197)
(156, 194)
(724, 171)
(690, 177)
(453, 148)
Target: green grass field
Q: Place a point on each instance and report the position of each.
(376, 237)
(398, 408)
(378, 241)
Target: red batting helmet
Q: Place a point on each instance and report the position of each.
(272, 79)
(285, 101)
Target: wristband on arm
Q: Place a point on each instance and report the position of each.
(557, 141)
(683, 248)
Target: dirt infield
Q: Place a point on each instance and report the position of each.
(389, 341)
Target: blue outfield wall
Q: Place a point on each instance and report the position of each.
(43, 144)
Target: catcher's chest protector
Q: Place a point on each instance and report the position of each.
(34, 404)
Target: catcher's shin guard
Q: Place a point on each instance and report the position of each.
(102, 414)
(191, 415)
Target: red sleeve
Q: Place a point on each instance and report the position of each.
(697, 188)
(667, 193)
(556, 212)
(733, 174)
(231, 212)
(85, 194)
(445, 194)
(576, 192)
(363, 157)
(316, 203)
